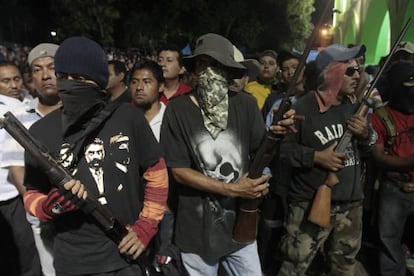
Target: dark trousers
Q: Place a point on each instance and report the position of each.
(394, 208)
(18, 251)
(132, 270)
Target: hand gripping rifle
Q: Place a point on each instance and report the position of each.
(320, 212)
(58, 176)
(247, 217)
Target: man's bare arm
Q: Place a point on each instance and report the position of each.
(244, 187)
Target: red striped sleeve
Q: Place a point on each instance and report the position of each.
(33, 203)
(155, 201)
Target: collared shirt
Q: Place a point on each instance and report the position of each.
(13, 152)
(7, 190)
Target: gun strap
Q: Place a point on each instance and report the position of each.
(388, 123)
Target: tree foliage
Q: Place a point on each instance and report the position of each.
(299, 15)
(92, 18)
(250, 24)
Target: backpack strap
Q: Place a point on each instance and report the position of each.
(388, 123)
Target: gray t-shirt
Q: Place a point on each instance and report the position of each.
(317, 132)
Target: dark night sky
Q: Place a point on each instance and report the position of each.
(36, 20)
(25, 21)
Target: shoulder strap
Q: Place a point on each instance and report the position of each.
(388, 123)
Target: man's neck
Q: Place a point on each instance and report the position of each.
(45, 106)
(152, 111)
(117, 91)
(171, 87)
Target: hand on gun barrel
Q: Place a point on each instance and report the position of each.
(286, 124)
(249, 188)
(77, 188)
(330, 159)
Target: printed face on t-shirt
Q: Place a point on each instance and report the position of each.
(95, 154)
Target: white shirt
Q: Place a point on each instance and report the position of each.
(156, 122)
(7, 190)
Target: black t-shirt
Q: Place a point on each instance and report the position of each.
(187, 144)
(317, 132)
(110, 166)
(125, 97)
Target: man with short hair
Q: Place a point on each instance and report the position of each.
(262, 86)
(328, 111)
(288, 62)
(41, 62)
(146, 85)
(81, 246)
(117, 87)
(209, 137)
(170, 60)
(11, 82)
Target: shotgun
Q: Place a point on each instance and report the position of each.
(320, 212)
(58, 176)
(245, 228)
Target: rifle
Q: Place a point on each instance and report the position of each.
(58, 176)
(246, 221)
(320, 212)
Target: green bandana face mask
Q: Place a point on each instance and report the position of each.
(213, 100)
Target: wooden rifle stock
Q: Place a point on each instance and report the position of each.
(320, 212)
(247, 217)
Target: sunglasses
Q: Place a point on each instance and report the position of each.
(350, 71)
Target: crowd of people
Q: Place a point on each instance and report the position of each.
(158, 152)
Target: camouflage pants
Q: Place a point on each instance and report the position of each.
(342, 240)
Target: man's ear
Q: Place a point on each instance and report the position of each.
(182, 70)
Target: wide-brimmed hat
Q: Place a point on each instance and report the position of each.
(337, 52)
(218, 48)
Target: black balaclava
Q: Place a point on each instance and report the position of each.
(401, 95)
(80, 57)
(81, 102)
